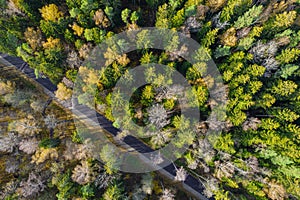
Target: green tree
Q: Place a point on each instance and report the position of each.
(114, 192)
(109, 156)
(249, 17)
(94, 34)
(288, 55)
(125, 15)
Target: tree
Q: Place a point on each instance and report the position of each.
(228, 10)
(82, 173)
(215, 4)
(28, 126)
(178, 18)
(210, 37)
(181, 174)
(224, 143)
(284, 88)
(249, 17)
(52, 43)
(18, 98)
(284, 19)
(288, 55)
(134, 17)
(158, 116)
(33, 37)
(42, 154)
(7, 144)
(167, 194)
(113, 192)
(100, 19)
(287, 71)
(95, 34)
(62, 92)
(147, 95)
(51, 13)
(144, 40)
(229, 37)
(29, 146)
(109, 156)
(147, 183)
(162, 17)
(125, 15)
(32, 186)
(64, 185)
(78, 30)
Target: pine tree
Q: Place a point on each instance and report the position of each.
(284, 19)
(288, 55)
(162, 17)
(228, 10)
(125, 15)
(284, 88)
(249, 17)
(210, 38)
(178, 19)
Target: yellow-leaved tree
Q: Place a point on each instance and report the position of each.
(51, 12)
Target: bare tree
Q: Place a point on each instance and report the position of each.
(275, 191)
(271, 65)
(211, 185)
(262, 51)
(204, 150)
(82, 173)
(158, 116)
(138, 194)
(83, 151)
(147, 183)
(73, 59)
(192, 24)
(11, 165)
(181, 174)
(32, 186)
(156, 159)
(167, 195)
(27, 126)
(251, 123)
(217, 22)
(6, 87)
(29, 146)
(12, 9)
(8, 189)
(169, 92)
(85, 50)
(101, 19)
(252, 164)
(224, 169)
(103, 180)
(8, 143)
(160, 138)
(50, 121)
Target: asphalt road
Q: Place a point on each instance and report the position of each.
(132, 141)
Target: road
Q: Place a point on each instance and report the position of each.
(191, 184)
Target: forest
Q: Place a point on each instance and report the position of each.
(254, 152)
